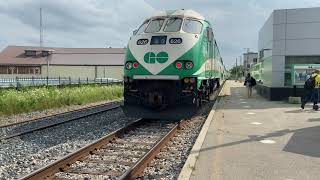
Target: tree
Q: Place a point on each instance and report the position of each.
(237, 71)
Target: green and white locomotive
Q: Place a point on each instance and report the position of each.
(172, 63)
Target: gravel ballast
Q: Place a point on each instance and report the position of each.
(20, 118)
(22, 155)
(59, 118)
(116, 157)
(170, 161)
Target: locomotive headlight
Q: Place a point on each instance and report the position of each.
(129, 65)
(189, 65)
(186, 80)
(192, 80)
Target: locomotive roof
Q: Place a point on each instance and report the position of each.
(180, 12)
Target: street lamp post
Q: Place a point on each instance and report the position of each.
(241, 66)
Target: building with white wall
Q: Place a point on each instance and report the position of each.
(288, 37)
(249, 59)
(75, 63)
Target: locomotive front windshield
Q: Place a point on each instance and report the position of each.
(155, 25)
(192, 26)
(173, 25)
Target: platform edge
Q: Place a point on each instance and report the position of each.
(189, 165)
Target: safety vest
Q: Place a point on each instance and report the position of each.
(317, 81)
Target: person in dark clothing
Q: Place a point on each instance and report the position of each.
(311, 93)
(309, 96)
(249, 83)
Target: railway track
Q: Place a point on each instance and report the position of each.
(19, 129)
(123, 154)
(127, 153)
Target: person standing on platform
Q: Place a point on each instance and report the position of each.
(249, 82)
(311, 87)
(317, 89)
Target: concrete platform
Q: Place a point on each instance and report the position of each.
(253, 139)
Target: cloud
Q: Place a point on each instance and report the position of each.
(100, 23)
(236, 22)
(71, 23)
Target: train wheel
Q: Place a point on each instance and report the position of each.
(197, 102)
(200, 101)
(208, 95)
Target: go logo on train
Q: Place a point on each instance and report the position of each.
(152, 58)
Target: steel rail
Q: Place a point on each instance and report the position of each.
(59, 123)
(57, 166)
(137, 170)
(58, 114)
(50, 170)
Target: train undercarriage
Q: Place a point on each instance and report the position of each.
(161, 99)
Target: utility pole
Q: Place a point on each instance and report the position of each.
(41, 29)
(236, 69)
(240, 66)
(41, 42)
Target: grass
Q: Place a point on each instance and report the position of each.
(32, 99)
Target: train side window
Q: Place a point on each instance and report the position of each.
(192, 26)
(209, 34)
(154, 26)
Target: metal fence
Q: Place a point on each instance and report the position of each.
(53, 81)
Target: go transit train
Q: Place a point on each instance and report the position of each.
(172, 64)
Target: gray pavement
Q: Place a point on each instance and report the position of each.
(253, 139)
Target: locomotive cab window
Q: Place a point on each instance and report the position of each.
(154, 26)
(192, 26)
(173, 25)
(142, 27)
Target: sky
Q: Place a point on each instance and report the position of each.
(109, 23)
